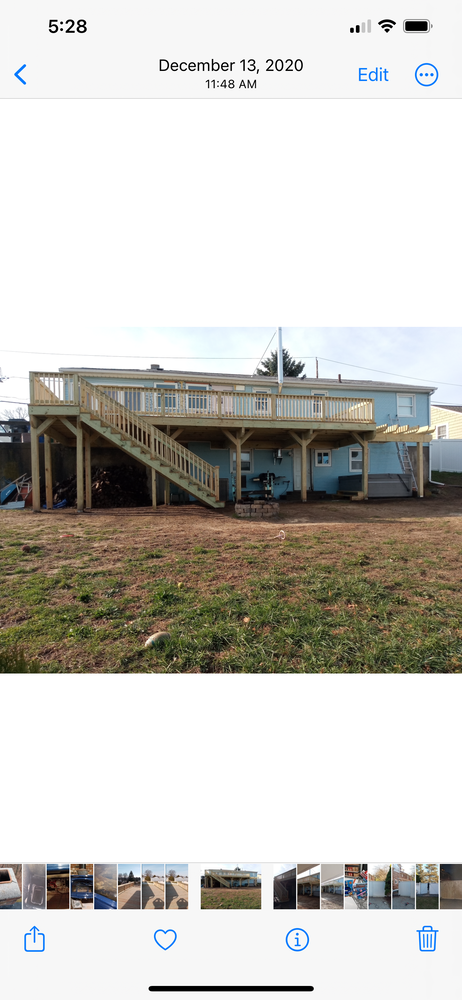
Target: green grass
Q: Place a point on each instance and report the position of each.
(316, 604)
(451, 478)
(426, 902)
(231, 899)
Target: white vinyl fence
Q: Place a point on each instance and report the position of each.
(446, 455)
(406, 888)
(427, 888)
(376, 888)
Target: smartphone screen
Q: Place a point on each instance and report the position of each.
(230, 499)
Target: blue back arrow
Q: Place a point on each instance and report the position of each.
(18, 71)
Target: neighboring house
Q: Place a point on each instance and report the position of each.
(213, 437)
(447, 421)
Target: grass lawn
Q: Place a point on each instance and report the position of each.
(231, 899)
(426, 902)
(451, 478)
(353, 588)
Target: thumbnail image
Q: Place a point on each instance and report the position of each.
(332, 887)
(427, 887)
(356, 886)
(309, 886)
(231, 886)
(403, 876)
(450, 887)
(176, 887)
(379, 885)
(153, 887)
(105, 887)
(129, 886)
(285, 886)
(10, 886)
(58, 886)
(34, 887)
(81, 886)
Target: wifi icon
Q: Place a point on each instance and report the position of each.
(387, 24)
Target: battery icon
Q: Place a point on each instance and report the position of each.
(417, 26)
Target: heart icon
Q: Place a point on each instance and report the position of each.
(169, 938)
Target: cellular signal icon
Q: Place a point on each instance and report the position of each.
(387, 24)
(363, 27)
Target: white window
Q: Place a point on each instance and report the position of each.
(322, 458)
(246, 461)
(405, 405)
(356, 459)
(317, 404)
(442, 431)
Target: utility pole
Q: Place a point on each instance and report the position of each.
(280, 359)
(317, 369)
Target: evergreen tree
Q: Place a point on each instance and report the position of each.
(290, 367)
(388, 882)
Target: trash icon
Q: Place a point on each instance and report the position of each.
(427, 939)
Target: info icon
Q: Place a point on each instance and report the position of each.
(297, 939)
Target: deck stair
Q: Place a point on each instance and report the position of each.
(146, 443)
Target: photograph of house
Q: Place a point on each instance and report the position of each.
(176, 887)
(379, 885)
(450, 887)
(81, 886)
(356, 886)
(427, 887)
(285, 886)
(129, 886)
(309, 886)
(176, 442)
(34, 886)
(10, 886)
(153, 887)
(231, 886)
(105, 886)
(58, 886)
(332, 887)
(403, 885)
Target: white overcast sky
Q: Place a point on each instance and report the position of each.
(426, 356)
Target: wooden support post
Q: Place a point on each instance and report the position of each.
(365, 472)
(35, 463)
(420, 469)
(217, 482)
(238, 468)
(304, 468)
(88, 471)
(48, 473)
(79, 465)
(167, 492)
(154, 487)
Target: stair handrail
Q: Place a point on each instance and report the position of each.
(148, 437)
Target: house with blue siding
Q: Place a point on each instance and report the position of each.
(217, 437)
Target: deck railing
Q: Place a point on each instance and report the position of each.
(140, 431)
(208, 404)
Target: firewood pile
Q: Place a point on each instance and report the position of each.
(117, 486)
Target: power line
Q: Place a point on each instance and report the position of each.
(263, 355)
(142, 357)
(347, 364)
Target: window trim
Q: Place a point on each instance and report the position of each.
(323, 451)
(350, 458)
(405, 395)
(446, 436)
(232, 452)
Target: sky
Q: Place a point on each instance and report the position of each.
(246, 866)
(156, 869)
(128, 866)
(408, 867)
(179, 869)
(425, 356)
(283, 866)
